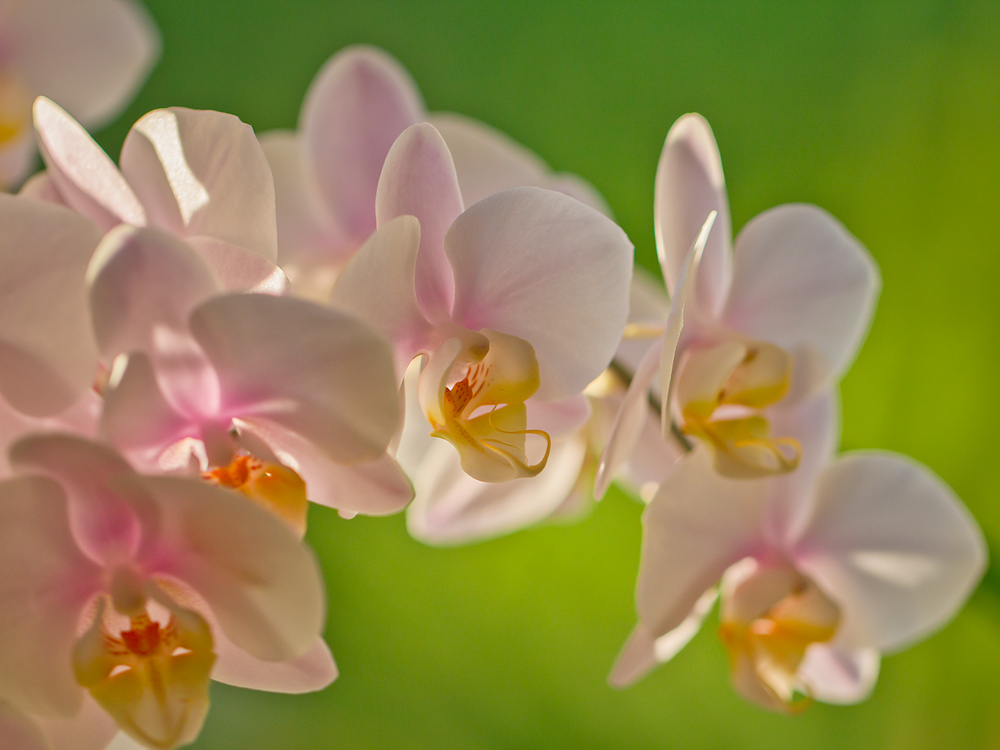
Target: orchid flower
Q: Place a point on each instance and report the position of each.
(753, 328)
(522, 296)
(89, 55)
(821, 569)
(215, 382)
(130, 592)
(326, 174)
(199, 175)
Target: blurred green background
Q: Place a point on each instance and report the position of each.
(888, 115)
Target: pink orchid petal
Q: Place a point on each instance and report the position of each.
(893, 546)
(355, 109)
(453, 508)
(142, 281)
(838, 676)
(137, 419)
(332, 382)
(203, 173)
(689, 186)
(801, 280)
(697, 525)
(387, 262)
(89, 56)
(81, 418)
(91, 729)
(262, 585)
(419, 179)
(629, 423)
(40, 187)
(486, 160)
(373, 488)
(559, 418)
(48, 351)
(19, 731)
(45, 581)
(313, 670)
(105, 528)
(87, 180)
(308, 237)
(17, 158)
(238, 269)
(543, 267)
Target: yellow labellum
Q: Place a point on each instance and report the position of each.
(274, 487)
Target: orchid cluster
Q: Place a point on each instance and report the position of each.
(389, 310)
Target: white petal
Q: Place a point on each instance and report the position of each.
(836, 675)
(86, 178)
(419, 179)
(633, 414)
(333, 382)
(642, 651)
(80, 418)
(355, 109)
(91, 729)
(689, 186)
(697, 525)
(17, 160)
(373, 488)
(800, 280)
(203, 173)
(238, 269)
(143, 280)
(453, 508)
(314, 670)
(486, 160)
(19, 731)
(893, 546)
(90, 55)
(262, 585)
(45, 581)
(49, 355)
(307, 235)
(538, 265)
(387, 263)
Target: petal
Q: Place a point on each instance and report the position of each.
(373, 488)
(87, 180)
(262, 585)
(355, 109)
(307, 235)
(579, 188)
(105, 528)
(81, 418)
(238, 269)
(17, 160)
(45, 581)
(89, 56)
(453, 508)
(333, 382)
(419, 179)
(19, 732)
(682, 320)
(312, 671)
(696, 526)
(48, 351)
(836, 675)
(538, 265)
(41, 187)
(642, 652)
(893, 546)
(689, 186)
(486, 160)
(387, 263)
(141, 281)
(203, 173)
(800, 280)
(91, 729)
(633, 414)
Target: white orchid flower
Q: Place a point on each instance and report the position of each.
(89, 55)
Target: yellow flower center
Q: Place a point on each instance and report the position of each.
(722, 391)
(150, 675)
(15, 109)
(274, 487)
(768, 623)
(473, 396)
